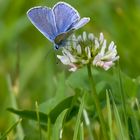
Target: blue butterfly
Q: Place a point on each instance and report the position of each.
(56, 23)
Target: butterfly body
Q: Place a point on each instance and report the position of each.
(56, 23)
(60, 39)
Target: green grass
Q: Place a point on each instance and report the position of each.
(47, 97)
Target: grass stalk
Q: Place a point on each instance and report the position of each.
(97, 104)
(38, 119)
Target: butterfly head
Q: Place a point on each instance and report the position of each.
(56, 46)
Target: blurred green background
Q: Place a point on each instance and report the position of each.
(23, 49)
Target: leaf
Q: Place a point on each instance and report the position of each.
(50, 105)
(54, 113)
(58, 126)
(66, 103)
(30, 115)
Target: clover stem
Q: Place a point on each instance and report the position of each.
(97, 103)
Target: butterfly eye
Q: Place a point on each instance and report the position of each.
(56, 46)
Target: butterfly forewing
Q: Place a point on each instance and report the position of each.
(65, 16)
(43, 19)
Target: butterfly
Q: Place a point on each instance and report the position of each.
(56, 23)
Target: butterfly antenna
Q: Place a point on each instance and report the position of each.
(56, 60)
(54, 52)
(49, 51)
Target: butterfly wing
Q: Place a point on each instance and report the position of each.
(81, 23)
(63, 36)
(43, 19)
(76, 26)
(65, 16)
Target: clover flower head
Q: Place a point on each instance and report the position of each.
(106, 55)
(88, 49)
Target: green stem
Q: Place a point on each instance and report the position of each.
(97, 104)
(123, 98)
(38, 119)
(49, 129)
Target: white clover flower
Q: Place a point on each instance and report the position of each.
(68, 59)
(91, 36)
(88, 49)
(106, 56)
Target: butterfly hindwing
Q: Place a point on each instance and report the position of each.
(80, 23)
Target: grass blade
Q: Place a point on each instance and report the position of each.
(118, 122)
(76, 129)
(109, 117)
(38, 119)
(58, 126)
(3, 137)
(20, 133)
(81, 132)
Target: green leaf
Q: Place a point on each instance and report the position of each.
(30, 115)
(54, 113)
(58, 126)
(66, 103)
(53, 105)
